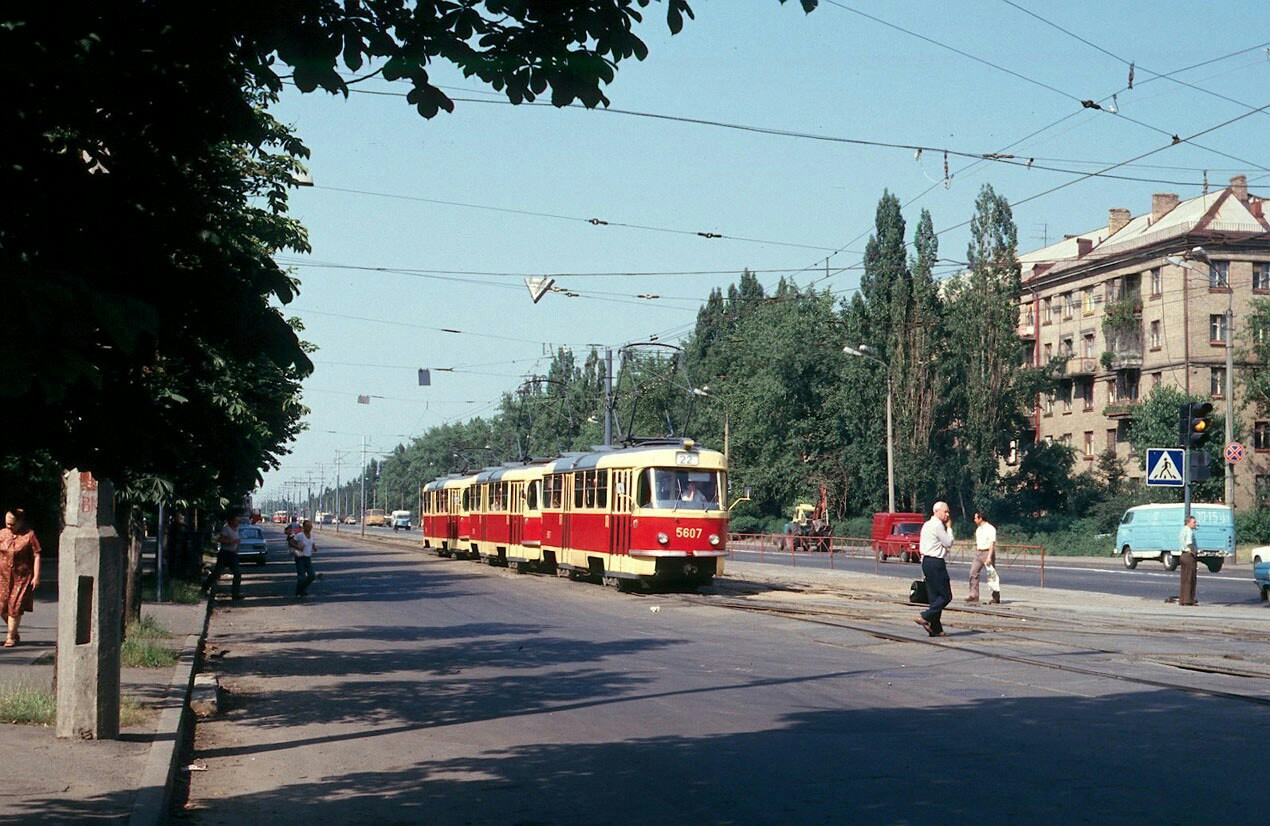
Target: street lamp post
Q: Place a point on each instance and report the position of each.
(1201, 255)
(864, 351)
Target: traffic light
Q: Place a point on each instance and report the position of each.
(1199, 424)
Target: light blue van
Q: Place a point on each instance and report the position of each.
(1152, 531)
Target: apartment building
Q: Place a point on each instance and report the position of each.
(1114, 317)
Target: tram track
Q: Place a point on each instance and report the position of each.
(828, 618)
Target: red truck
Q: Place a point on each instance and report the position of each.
(896, 534)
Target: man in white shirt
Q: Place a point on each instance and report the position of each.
(227, 557)
(302, 548)
(935, 541)
(985, 557)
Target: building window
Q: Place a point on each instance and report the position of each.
(1089, 444)
(1155, 335)
(1156, 378)
(1111, 391)
(1065, 440)
(1157, 281)
(1127, 385)
(1217, 328)
(1047, 310)
(1261, 436)
(1219, 275)
(1087, 301)
(1111, 439)
(1067, 305)
(1049, 352)
(1112, 292)
(1217, 382)
(1263, 488)
(1067, 391)
(1261, 276)
(1087, 394)
(1049, 404)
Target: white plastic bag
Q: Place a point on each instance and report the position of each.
(994, 579)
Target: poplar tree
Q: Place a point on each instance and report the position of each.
(986, 353)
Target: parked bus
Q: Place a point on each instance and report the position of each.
(376, 516)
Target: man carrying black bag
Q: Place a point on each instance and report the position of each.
(936, 540)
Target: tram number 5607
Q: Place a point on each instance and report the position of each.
(688, 533)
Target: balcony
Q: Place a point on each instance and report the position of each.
(1121, 410)
(1027, 330)
(1080, 366)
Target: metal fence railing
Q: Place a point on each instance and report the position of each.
(1009, 556)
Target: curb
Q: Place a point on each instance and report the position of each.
(154, 792)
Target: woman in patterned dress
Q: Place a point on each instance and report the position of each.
(19, 572)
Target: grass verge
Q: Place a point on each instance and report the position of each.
(179, 591)
(144, 653)
(147, 629)
(25, 704)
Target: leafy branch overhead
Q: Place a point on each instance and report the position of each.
(146, 193)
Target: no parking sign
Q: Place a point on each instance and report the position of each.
(1234, 453)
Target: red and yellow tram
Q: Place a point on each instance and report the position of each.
(652, 513)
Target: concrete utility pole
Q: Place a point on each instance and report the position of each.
(89, 611)
(361, 519)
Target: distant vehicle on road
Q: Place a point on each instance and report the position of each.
(251, 544)
(897, 534)
(281, 517)
(349, 520)
(1151, 532)
(376, 517)
(1261, 576)
(400, 520)
(1261, 553)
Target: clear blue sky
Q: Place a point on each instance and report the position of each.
(531, 175)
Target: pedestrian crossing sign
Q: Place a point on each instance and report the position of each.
(1164, 467)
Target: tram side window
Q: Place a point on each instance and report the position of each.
(601, 488)
(532, 495)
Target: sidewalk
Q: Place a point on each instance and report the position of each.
(121, 781)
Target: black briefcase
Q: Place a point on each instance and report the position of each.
(917, 592)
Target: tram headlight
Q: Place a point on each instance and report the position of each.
(714, 539)
(663, 539)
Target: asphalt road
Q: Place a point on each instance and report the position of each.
(1231, 586)
(414, 689)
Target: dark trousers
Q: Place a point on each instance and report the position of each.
(226, 559)
(303, 574)
(938, 588)
(1189, 565)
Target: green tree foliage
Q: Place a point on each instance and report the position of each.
(990, 389)
(900, 316)
(146, 189)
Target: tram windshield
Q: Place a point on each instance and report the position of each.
(692, 489)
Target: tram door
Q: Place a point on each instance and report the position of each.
(566, 512)
(516, 514)
(452, 518)
(620, 513)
